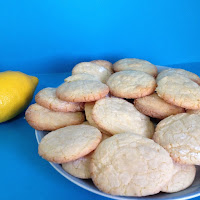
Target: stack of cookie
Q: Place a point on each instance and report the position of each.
(118, 146)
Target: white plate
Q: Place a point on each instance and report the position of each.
(189, 193)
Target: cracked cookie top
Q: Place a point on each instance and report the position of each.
(182, 72)
(41, 118)
(82, 91)
(92, 68)
(180, 91)
(180, 136)
(153, 106)
(131, 84)
(183, 177)
(130, 165)
(69, 143)
(48, 99)
(135, 64)
(116, 115)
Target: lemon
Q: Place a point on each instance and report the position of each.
(16, 92)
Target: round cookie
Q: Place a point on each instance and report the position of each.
(104, 63)
(48, 99)
(180, 136)
(117, 116)
(104, 135)
(135, 64)
(156, 107)
(94, 69)
(183, 177)
(131, 84)
(182, 72)
(127, 164)
(179, 91)
(88, 114)
(78, 77)
(41, 118)
(82, 91)
(193, 111)
(69, 143)
(80, 168)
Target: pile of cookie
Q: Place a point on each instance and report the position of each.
(119, 147)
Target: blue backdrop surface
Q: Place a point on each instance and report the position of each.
(46, 36)
(52, 36)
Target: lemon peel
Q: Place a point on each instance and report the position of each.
(16, 92)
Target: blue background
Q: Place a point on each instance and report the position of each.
(43, 36)
(52, 36)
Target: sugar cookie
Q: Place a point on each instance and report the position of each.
(94, 69)
(180, 136)
(156, 107)
(104, 63)
(69, 143)
(80, 168)
(79, 77)
(48, 99)
(131, 84)
(82, 91)
(127, 164)
(179, 91)
(183, 177)
(135, 64)
(88, 114)
(182, 72)
(117, 115)
(41, 118)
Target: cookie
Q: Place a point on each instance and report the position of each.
(104, 63)
(156, 107)
(82, 91)
(131, 84)
(80, 168)
(193, 111)
(180, 136)
(179, 91)
(116, 115)
(41, 118)
(127, 164)
(104, 135)
(94, 69)
(182, 72)
(183, 177)
(135, 64)
(79, 77)
(48, 99)
(69, 143)
(88, 114)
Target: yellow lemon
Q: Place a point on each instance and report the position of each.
(16, 92)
